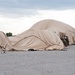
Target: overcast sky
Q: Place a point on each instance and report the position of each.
(17, 16)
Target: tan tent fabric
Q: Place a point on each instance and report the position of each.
(44, 35)
(5, 43)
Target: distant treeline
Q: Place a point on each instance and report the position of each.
(9, 34)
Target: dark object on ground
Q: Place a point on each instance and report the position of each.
(12, 50)
(3, 51)
(31, 50)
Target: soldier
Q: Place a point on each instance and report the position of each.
(64, 39)
(2, 50)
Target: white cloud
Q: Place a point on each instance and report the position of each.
(67, 16)
(20, 24)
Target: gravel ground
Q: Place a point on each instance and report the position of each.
(38, 62)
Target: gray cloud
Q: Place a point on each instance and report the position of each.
(37, 4)
(29, 7)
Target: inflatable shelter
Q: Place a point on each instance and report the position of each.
(44, 35)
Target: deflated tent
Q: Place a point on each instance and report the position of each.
(44, 35)
(5, 43)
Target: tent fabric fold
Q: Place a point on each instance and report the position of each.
(44, 35)
(5, 43)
